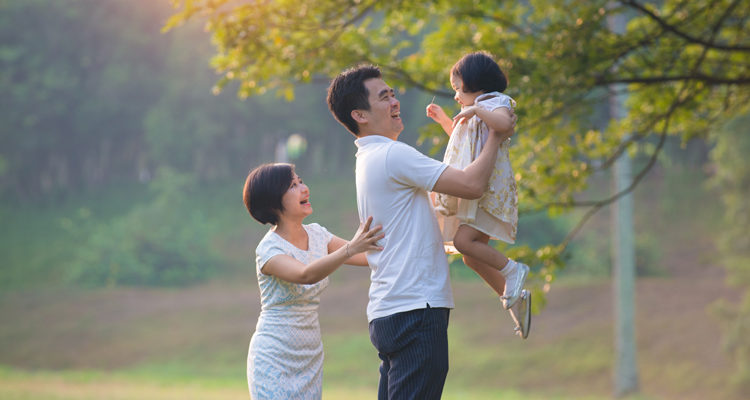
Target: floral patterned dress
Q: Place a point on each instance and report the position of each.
(496, 212)
(285, 359)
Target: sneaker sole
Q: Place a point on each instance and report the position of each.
(527, 317)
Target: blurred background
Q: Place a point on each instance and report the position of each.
(127, 257)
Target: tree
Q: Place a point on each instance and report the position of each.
(71, 91)
(160, 243)
(732, 180)
(94, 95)
(685, 64)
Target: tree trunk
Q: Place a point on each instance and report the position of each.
(623, 253)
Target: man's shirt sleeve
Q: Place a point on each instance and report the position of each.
(409, 167)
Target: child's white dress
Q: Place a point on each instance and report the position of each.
(496, 212)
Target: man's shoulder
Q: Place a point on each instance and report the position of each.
(393, 150)
(404, 148)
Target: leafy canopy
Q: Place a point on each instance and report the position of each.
(684, 64)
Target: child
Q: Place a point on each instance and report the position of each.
(469, 224)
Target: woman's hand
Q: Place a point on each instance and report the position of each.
(365, 239)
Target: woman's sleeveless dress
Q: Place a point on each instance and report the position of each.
(285, 359)
(496, 212)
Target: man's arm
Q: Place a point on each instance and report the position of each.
(471, 182)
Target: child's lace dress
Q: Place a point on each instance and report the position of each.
(496, 212)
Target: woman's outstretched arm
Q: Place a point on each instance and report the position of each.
(289, 269)
(359, 259)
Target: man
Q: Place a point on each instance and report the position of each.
(410, 293)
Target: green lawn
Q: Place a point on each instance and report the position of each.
(192, 343)
(65, 342)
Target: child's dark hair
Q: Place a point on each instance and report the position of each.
(480, 73)
(348, 92)
(264, 188)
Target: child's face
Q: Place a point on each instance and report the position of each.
(463, 98)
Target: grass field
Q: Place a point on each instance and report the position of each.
(63, 342)
(191, 343)
(47, 386)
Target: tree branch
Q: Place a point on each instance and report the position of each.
(710, 80)
(474, 13)
(340, 29)
(600, 204)
(400, 73)
(671, 28)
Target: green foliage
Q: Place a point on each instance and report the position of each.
(163, 242)
(590, 256)
(72, 90)
(732, 179)
(97, 95)
(560, 57)
(684, 65)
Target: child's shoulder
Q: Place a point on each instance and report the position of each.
(493, 100)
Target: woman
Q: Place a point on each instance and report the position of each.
(293, 261)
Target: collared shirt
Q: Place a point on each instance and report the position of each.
(393, 180)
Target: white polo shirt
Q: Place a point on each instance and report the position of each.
(393, 181)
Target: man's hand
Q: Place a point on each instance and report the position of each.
(509, 132)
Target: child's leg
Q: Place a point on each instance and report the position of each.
(489, 274)
(520, 312)
(475, 244)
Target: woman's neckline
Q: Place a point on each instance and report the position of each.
(294, 245)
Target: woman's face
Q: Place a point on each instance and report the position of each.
(463, 98)
(296, 200)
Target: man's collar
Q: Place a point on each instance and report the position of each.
(369, 139)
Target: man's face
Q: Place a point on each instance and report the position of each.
(384, 116)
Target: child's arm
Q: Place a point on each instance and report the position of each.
(471, 182)
(436, 112)
(499, 119)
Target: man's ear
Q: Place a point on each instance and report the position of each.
(359, 116)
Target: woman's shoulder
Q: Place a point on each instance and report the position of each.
(269, 240)
(316, 229)
(313, 226)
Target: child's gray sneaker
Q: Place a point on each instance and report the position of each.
(521, 314)
(515, 278)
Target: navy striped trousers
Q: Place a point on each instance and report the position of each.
(413, 348)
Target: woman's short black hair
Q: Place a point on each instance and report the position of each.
(348, 92)
(264, 188)
(480, 73)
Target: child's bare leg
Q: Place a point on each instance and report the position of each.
(489, 274)
(475, 244)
